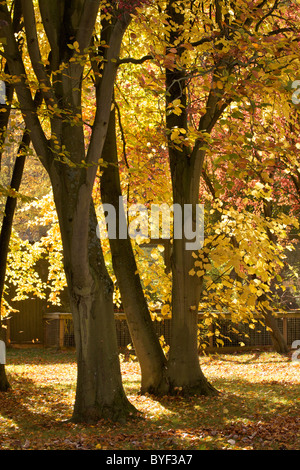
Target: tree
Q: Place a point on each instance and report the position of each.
(15, 183)
(258, 194)
(146, 343)
(222, 51)
(72, 170)
(209, 55)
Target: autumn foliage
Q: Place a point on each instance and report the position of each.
(172, 102)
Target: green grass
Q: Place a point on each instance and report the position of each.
(258, 407)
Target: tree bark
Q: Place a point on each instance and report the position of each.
(279, 343)
(4, 383)
(184, 369)
(99, 392)
(278, 340)
(16, 179)
(5, 234)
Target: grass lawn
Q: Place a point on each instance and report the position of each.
(258, 407)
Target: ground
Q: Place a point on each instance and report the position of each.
(258, 407)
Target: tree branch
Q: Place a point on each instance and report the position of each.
(27, 105)
(267, 15)
(104, 90)
(34, 52)
(131, 60)
(87, 23)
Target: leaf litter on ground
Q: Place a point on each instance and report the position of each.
(258, 407)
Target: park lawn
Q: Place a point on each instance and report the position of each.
(258, 407)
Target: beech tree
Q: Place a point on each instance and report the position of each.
(69, 28)
(16, 178)
(209, 55)
(225, 51)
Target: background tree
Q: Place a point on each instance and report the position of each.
(16, 178)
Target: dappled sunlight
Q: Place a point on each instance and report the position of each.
(257, 408)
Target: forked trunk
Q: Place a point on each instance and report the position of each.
(99, 389)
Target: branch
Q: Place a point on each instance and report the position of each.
(51, 13)
(122, 133)
(104, 90)
(131, 60)
(87, 23)
(27, 105)
(266, 15)
(279, 31)
(208, 183)
(34, 52)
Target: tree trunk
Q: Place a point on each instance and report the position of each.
(6, 229)
(99, 387)
(278, 340)
(4, 383)
(146, 343)
(184, 369)
(99, 392)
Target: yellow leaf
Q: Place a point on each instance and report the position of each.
(76, 46)
(200, 273)
(165, 310)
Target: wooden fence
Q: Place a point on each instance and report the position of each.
(58, 332)
(55, 329)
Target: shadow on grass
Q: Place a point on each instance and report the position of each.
(239, 401)
(25, 413)
(38, 355)
(249, 413)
